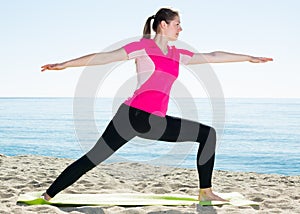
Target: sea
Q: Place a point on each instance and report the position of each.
(254, 134)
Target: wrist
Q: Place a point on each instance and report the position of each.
(65, 64)
(250, 58)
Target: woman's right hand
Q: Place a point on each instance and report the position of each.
(56, 66)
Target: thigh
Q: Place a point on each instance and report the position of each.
(116, 134)
(120, 128)
(181, 130)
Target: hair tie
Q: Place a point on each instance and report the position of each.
(153, 17)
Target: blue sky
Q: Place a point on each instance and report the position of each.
(34, 33)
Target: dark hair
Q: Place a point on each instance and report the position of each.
(164, 14)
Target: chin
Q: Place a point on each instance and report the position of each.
(173, 38)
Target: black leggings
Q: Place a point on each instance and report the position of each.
(130, 122)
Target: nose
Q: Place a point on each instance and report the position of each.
(180, 29)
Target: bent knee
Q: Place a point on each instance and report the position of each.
(212, 134)
(207, 134)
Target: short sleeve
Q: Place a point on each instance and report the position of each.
(134, 49)
(185, 56)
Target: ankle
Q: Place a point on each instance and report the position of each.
(205, 190)
(46, 196)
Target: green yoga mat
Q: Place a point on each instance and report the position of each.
(130, 199)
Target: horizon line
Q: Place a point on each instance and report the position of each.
(28, 97)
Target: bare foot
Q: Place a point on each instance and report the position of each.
(46, 196)
(207, 195)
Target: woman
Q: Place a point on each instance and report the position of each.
(144, 114)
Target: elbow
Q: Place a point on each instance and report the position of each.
(217, 53)
(212, 56)
(216, 57)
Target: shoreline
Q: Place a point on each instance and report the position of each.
(26, 173)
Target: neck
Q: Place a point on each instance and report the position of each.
(162, 42)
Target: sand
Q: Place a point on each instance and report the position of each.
(21, 174)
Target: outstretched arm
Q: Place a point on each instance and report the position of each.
(220, 57)
(91, 59)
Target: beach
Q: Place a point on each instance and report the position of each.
(27, 173)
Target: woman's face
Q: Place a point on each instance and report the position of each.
(172, 29)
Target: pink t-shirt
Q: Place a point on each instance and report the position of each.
(156, 73)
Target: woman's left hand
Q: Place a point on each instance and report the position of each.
(260, 59)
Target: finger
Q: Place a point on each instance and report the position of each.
(261, 59)
(267, 59)
(45, 67)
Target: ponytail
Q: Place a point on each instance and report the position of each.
(147, 28)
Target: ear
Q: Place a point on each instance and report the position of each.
(163, 24)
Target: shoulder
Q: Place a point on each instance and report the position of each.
(144, 41)
(138, 44)
(181, 51)
(183, 55)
